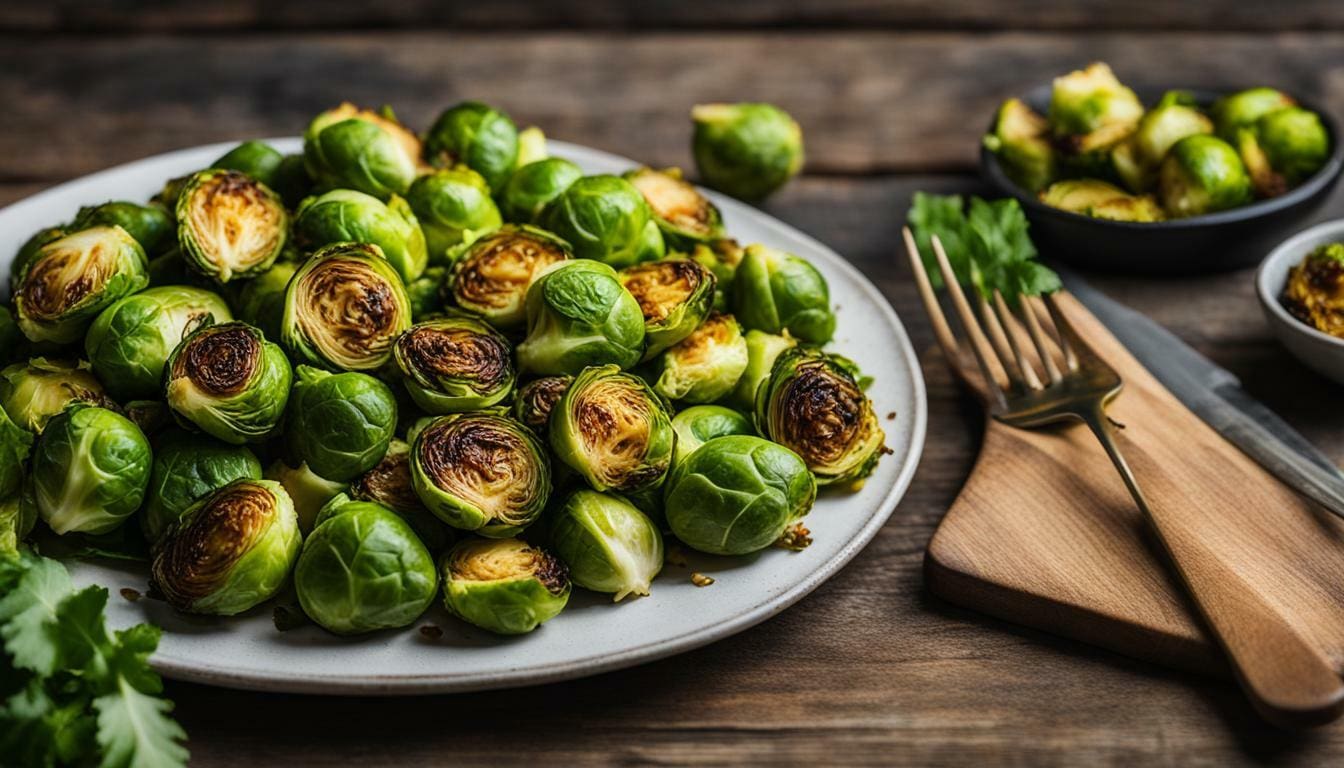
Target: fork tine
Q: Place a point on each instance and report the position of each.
(979, 344)
(1068, 337)
(1006, 317)
(1038, 338)
(1005, 349)
(941, 330)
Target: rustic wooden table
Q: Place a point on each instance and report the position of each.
(870, 668)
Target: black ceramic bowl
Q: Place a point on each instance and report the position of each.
(1214, 242)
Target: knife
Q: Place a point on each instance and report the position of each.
(1216, 396)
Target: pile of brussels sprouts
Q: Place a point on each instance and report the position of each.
(1099, 153)
(398, 364)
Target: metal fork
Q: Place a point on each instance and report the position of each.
(1287, 679)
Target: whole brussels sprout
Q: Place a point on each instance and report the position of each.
(129, 343)
(1294, 141)
(90, 470)
(68, 281)
(813, 406)
(308, 492)
(229, 225)
(292, 181)
(490, 276)
(762, 351)
(15, 444)
(363, 569)
(579, 314)
(674, 295)
(455, 364)
(1163, 126)
(737, 494)
(32, 392)
(475, 135)
(339, 424)
(699, 424)
(1242, 109)
(605, 218)
(1202, 174)
(1021, 140)
(150, 225)
(229, 382)
(260, 302)
(344, 215)
(746, 150)
(774, 291)
(452, 204)
(533, 186)
(1092, 99)
(685, 216)
(186, 469)
(425, 293)
(352, 148)
(608, 544)
(230, 551)
(533, 404)
(531, 146)
(344, 308)
(610, 427)
(257, 159)
(704, 366)
(504, 585)
(29, 250)
(481, 472)
(389, 484)
(170, 268)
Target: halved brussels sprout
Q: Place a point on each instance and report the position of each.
(15, 445)
(257, 159)
(186, 469)
(481, 472)
(260, 302)
(704, 366)
(533, 186)
(32, 392)
(491, 275)
(1092, 99)
(129, 343)
(229, 382)
(230, 551)
(344, 215)
(352, 148)
(610, 427)
(579, 314)
(1163, 126)
(685, 216)
(455, 364)
(1098, 199)
(308, 492)
(29, 250)
(504, 585)
(1242, 109)
(762, 351)
(363, 569)
(737, 494)
(674, 295)
(535, 400)
(453, 205)
(812, 405)
(389, 484)
(531, 146)
(68, 281)
(151, 226)
(699, 424)
(1294, 142)
(339, 424)
(1202, 174)
(344, 308)
(608, 544)
(605, 218)
(746, 150)
(425, 293)
(1021, 142)
(478, 136)
(774, 291)
(230, 226)
(90, 470)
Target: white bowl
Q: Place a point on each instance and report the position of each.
(1321, 352)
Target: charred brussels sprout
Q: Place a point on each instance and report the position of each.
(257, 159)
(608, 544)
(533, 186)
(344, 308)
(229, 382)
(344, 215)
(32, 392)
(746, 150)
(455, 364)
(490, 276)
(68, 281)
(504, 586)
(535, 399)
(704, 366)
(15, 445)
(1098, 199)
(260, 302)
(1202, 174)
(90, 470)
(230, 551)
(579, 314)
(186, 469)
(389, 484)
(150, 225)
(685, 216)
(230, 226)
(452, 205)
(339, 424)
(481, 472)
(612, 429)
(306, 490)
(699, 424)
(478, 136)
(605, 218)
(1092, 99)
(352, 148)
(674, 295)
(774, 291)
(1243, 108)
(737, 494)
(1021, 140)
(812, 405)
(29, 250)
(129, 343)
(762, 351)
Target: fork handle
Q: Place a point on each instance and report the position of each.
(1288, 680)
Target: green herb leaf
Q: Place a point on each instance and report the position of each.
(136, 731)
(941, 215)
(28, 614)
(989, 246)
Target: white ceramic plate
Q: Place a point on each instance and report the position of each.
(592, 635)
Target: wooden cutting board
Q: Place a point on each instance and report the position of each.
(1045, 534)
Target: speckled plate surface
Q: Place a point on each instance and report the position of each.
(592, 635)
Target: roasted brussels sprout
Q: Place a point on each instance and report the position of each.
(531, 187)
(257, 159)
(68, 281)
(774, 291)
(608, 544)
(260, 302)
(352, 148)
(425, 293)
(746, 150)
(344, 215)
(306, 490)
(1243, 108)
(674, 295)
(1163, 126)
(453, 205)
(685, 216)
(504, 585)
(90, 470)
(455, 364)
(29, 250)
(812, 405)
(1089, 100)
(704, 366)
(186, 469)
(230, 551)
(1314, 292)
(344, 308)
(490, 276)
(737, 494)
(1202, 174)
(151, 226)
(579, 314)
(762, 351)
(721, 257)
(363, 569)
(15, 445)
(612, 429)
(32, 392)
(1098, 199)
(229, 382)
(606, 219)
(1283, 149)
(129, 343)
(389, 484)
(1021, 140)
(339, 424)
(478, 136)
(230, 226)
(481, 472)
(699, 424)
(531, 146)
(535, 399)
